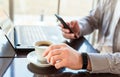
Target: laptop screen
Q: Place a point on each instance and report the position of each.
(7, 26)
(6, 49)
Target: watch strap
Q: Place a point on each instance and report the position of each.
(84, 60)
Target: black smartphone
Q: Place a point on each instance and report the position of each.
(63, 22)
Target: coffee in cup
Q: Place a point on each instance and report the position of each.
(40, 47)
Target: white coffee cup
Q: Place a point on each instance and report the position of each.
(40, 47)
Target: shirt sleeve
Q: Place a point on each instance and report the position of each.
(105, 63)
(91, 22)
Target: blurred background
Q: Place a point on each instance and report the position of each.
(41, 12)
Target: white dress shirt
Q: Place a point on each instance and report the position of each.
(105, 18)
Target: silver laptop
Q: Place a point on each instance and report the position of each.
(6, 49)
(24, 37)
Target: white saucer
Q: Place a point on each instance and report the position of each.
(33, 59)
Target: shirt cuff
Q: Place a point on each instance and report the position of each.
(99, 63)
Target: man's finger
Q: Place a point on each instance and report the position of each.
(55, 59)
(50, 48)
(60, 64)
(69, 36)
(53, 53)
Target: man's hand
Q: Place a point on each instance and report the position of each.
(75, 28)
(61, 55)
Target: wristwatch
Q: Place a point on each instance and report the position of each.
(84, 60)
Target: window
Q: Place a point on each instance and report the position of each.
(34, 11)
(73, 9)
(37, 11)
(25, 11)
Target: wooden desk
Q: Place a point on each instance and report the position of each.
(20, 67)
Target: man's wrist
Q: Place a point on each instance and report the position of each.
(84, 60)
(86, 64)
(89, 67)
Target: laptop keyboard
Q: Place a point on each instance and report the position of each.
(28, 35)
